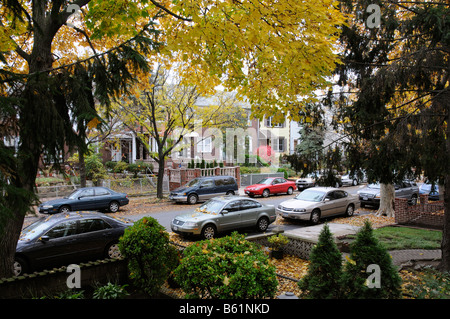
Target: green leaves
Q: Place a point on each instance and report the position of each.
(150, 256)
(229, 267)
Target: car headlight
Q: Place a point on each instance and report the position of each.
(299, 210)
(190, 224)
(377, 195)
(47, 206)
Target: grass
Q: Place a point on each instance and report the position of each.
(396, 238)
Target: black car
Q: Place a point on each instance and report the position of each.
(204, 188)
(87, 198)
(65, 238)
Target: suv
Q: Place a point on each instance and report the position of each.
(370, 195)
(204, 188)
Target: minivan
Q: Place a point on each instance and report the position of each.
(204, 188)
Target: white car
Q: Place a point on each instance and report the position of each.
(315, 203)
(306, 182)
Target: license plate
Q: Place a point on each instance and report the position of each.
(365, 198)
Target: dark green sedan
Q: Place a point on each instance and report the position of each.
(86, 198)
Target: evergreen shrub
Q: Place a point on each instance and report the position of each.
(150, 256)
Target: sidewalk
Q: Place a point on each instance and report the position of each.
(409, 257)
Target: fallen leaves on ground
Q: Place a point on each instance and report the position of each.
(359, 220)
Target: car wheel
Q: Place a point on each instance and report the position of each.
(230, 193)
(209, 231)
(112, 251)
(315, 216)
(350, 210)
(266, 193)
(355, 182)
(192, 199)
(290, 191)
(64, 209)
(20, 266)
(262, 224)
(113, 207)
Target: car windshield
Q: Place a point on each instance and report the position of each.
(265, 181)
(73, 195)
(194, 182)
(210, 207)
(376, 186)
(310, 196)
(35, 229)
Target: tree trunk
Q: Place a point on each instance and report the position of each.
(445, 245)
(160, 180)
(387, 197)
(82, 169)
(8, 243)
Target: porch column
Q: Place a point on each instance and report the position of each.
(133, 148)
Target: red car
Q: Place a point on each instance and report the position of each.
(271, 185)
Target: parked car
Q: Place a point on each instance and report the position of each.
(306, 182)
(224, 213)
(86, 198)
(270, 185)
(431, 190)
(65, 238)
(204, 188)
(353, 179)
(370, 195)
(315, 203)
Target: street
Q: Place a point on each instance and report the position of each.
(168, 211)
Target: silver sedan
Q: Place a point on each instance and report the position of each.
(315, 203)
(224, 213)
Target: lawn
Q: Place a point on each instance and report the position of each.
(394, 238)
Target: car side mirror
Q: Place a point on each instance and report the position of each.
(44, 239)
(327, 199)
(224, 212)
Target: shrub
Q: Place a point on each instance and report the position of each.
(95, 170)
(120, 167)
(229, 267)
(150, 256)
(278, 241)
(110, 165)
(133, 168)
(325, 270)
(110, 291)
(364, 251)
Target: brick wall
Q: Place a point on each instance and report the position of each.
(426, 214)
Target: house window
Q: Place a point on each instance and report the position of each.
(204, 145)
(269, 123)
(279, 144)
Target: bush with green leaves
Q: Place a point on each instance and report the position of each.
(120, 167)
(325, 270)
(364, 251)
(227, 268)
(95, 170)
(150, 256)
(110, 291)
(430, 284)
